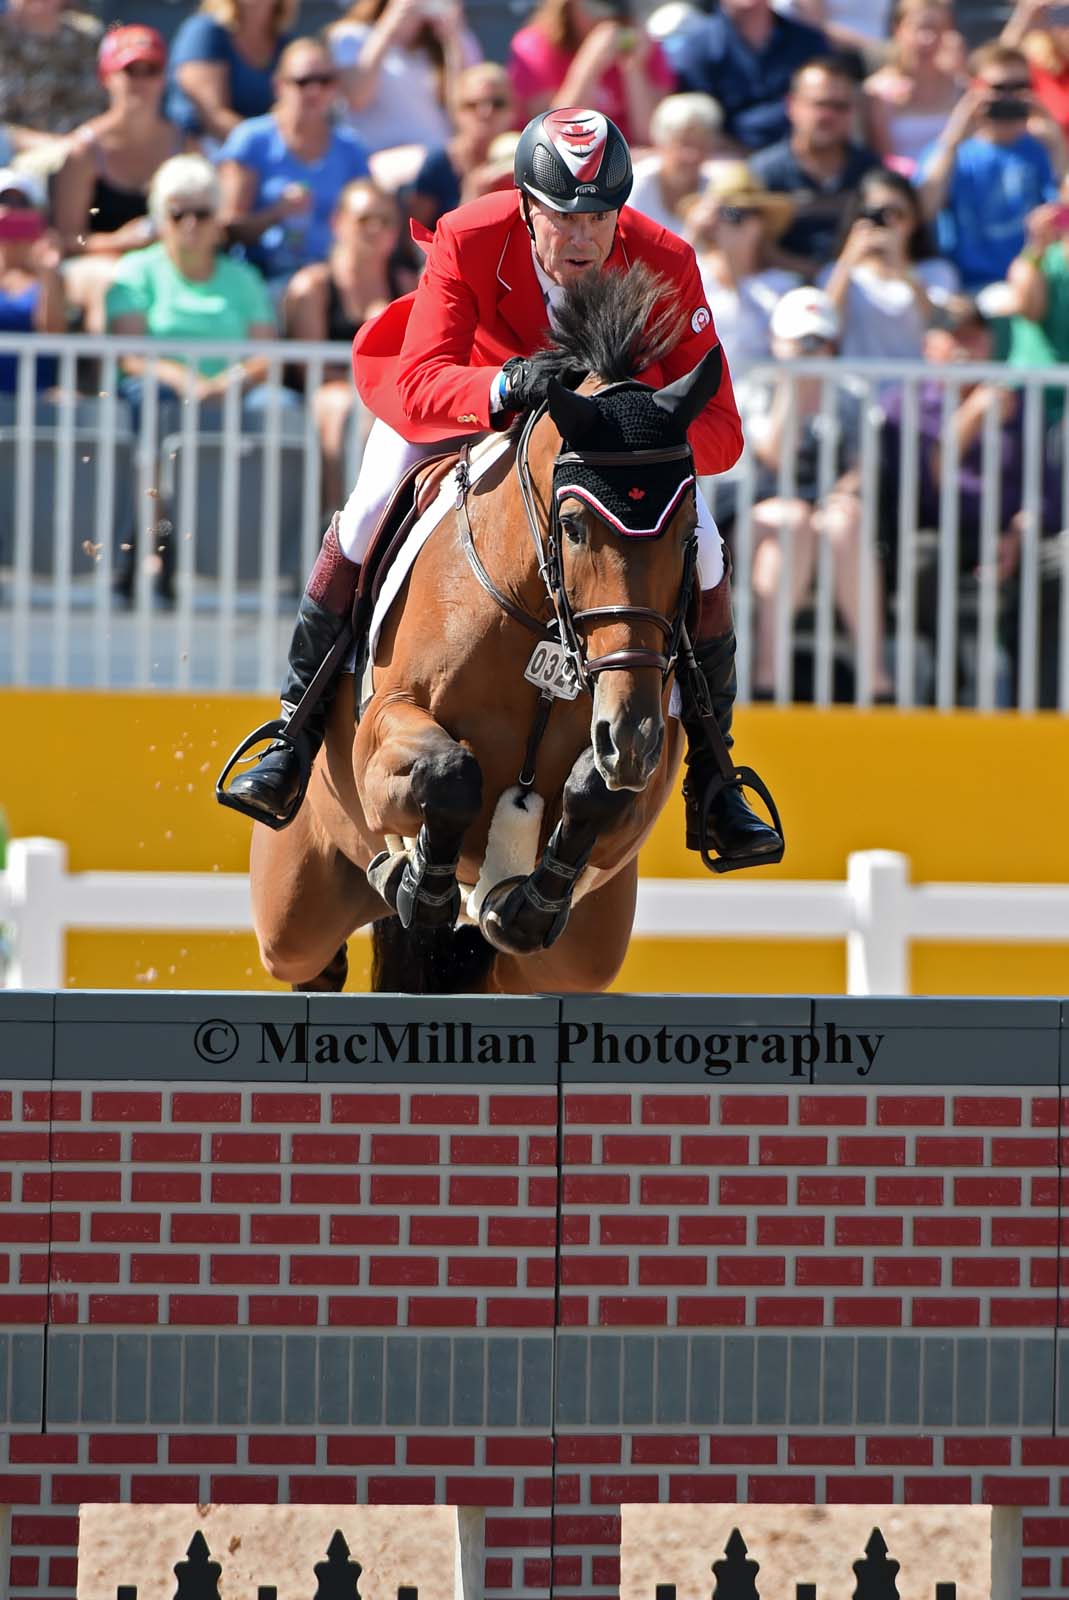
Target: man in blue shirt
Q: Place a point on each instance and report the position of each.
(745, 56)
(990, 167)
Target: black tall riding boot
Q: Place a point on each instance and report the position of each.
(275, 785)
(735, 832)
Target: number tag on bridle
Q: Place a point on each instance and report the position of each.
(550, 669)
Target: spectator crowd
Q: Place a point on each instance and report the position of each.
(854, 179)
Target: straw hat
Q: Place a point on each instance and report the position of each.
(731, 183)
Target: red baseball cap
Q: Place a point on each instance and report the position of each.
(120, 47)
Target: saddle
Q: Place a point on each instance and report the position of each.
(415, 492)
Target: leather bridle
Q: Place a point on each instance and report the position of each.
(551, 566)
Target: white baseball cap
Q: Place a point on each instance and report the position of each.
(804, 313)
(27, 184)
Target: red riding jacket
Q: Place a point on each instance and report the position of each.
(424, 364)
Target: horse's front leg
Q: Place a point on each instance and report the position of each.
(520, 914)
(419, 784)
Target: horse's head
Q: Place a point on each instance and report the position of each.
(622, 516)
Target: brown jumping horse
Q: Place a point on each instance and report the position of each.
(460, 771)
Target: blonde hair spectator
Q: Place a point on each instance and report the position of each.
(677, 113)
(685, 130)
(189, 177)
(228, 13)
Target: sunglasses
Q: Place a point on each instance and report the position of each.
(141, 69)
(314, 80)
(179, 213)
(1015, 86)
(495, 102)
(736, 214)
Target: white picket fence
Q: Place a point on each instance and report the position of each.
(875, 909)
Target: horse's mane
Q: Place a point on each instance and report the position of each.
(608, 324)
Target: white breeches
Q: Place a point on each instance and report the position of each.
(387, 457)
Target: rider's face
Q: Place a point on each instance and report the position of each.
(571, 244)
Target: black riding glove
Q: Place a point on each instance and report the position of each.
(526, 382)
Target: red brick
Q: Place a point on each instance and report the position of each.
(445, 1109)
(37, 1105)
(868, 1230)
(754, 1110)
(1049, 1532)
(1021, 1312)
(340, 1491)
(520, 1110)
(282, 1450)
(440, 1450)
(331, 1188)
(938, 1491)
(497, 1573)
(62, 1572)
(986, 1191)
(33, 1268)
(125, 1227)
(520, 1311)
(66, 1227)
(935, 1312)
(586, 1530)
(621, 1488)
(287, 1228)
(86, 1146)
(199, 1227)
(541, 1273)
(946, 1151)
(789, 1231)
(127, 1105)
(542, 1150)
(523, 1232)
(713, 1228)
(285, 1106)
(37, 1186)
(892, 1272)
(326, 1149)
(328, 1269)
(25, 1227)
(52, 1532)
(443, 1230)
(752, 1191)
(30, 1146)
(632, 1230)
(247, 1188)
(870, 1150)
(868, 1311)
(7, 1105)
(859, 1489)
(813, 1271)
(484, 1191)
(672, 1268)
(832, 1110)
(482, 1271)
(246, 1148)
(443, 1311)
(478, 1491)
(71, 1488)
(714, 1149)
(821, 1450)
(670, 1189)
(665, 1450)
(910, 1111)
(362, 1108)
(484, 1150)
(365, 1230)
(596, 1188)
(789, 1311)
(933, 1231)
(71, 1266)
(1024, 1153)
(361, 1449)
(211, 1309)
(1040, 1452)
(599, 1109)
(208, 1106)
(986, 1272)
(401, 1269)
(890, 1450)
(166, 1267)
(737, 1270)
(124, 1449)
(911, 1191)
(1035, 1572)
(834, 1190)
(778, 1489)
(163, 1147)
(107, 1186)
(283, 1310)
(201, 1449)
(636, 1149)
(792, 1150)
(244, 1269)
(685, 1110)
(405, 1149)
(711, 1311)
(640, 1311)
(518, 1452)
(542, 1193)
(31, 1449)
(407, 1491)
(977, 1452)
(244, 1489)
(148, 1490)
(987, 1111)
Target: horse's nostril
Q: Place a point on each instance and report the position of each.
(604, 744)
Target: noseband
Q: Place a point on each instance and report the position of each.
(551, 566)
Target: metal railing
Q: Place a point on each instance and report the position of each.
(229, 501)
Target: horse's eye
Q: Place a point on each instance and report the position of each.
(573, 530)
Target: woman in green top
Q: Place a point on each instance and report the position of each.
(185, 288)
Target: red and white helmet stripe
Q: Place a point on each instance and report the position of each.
(579, 137)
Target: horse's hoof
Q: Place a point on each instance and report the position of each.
(509, 921)
(384, 874)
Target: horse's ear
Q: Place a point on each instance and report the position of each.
(573, 414)
(689, 395)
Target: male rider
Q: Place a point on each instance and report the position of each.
(449, 361)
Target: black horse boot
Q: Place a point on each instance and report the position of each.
(274, 786)
(735, 832)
